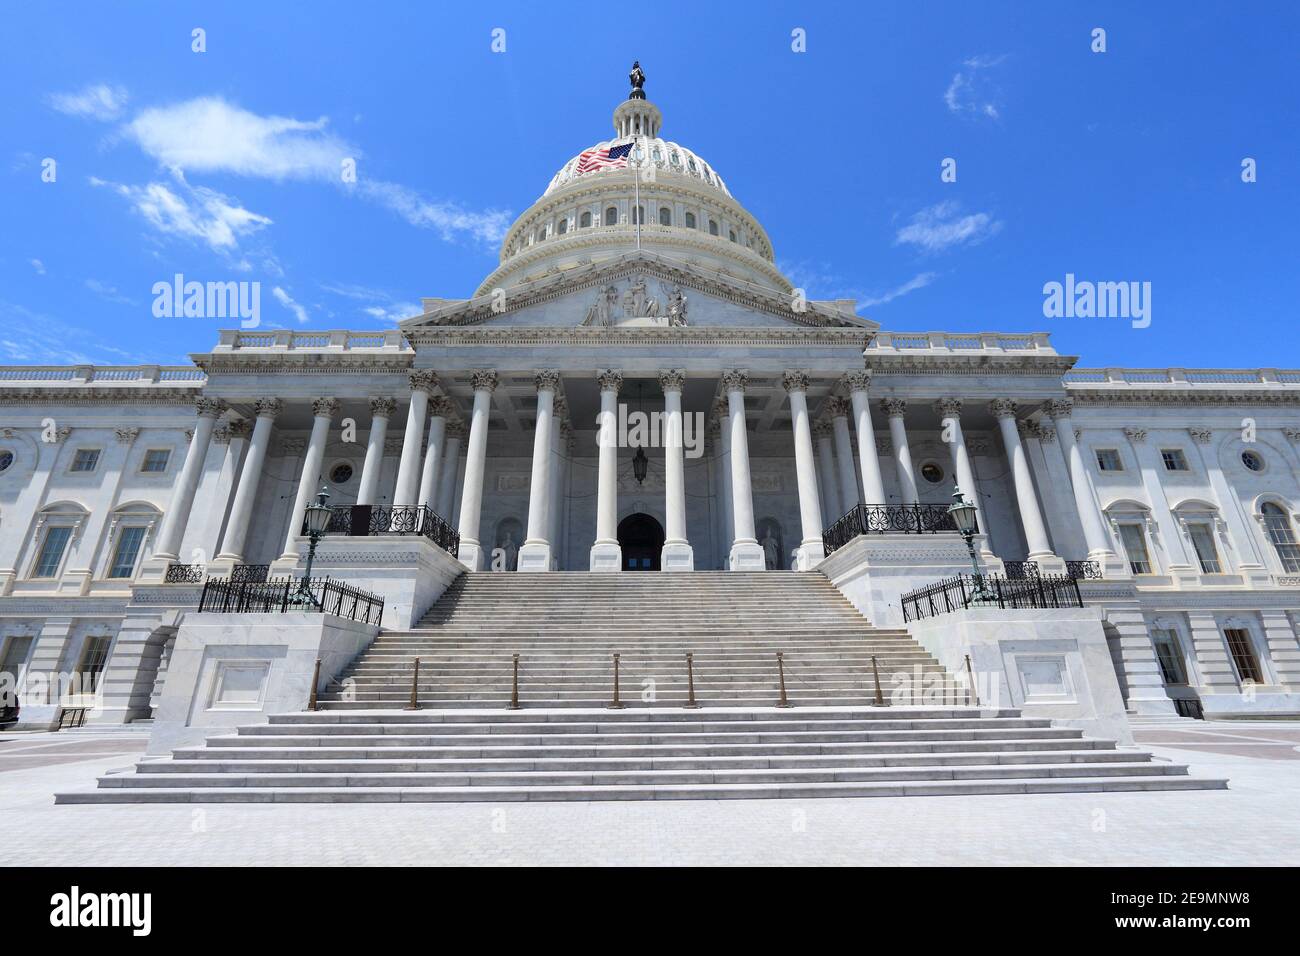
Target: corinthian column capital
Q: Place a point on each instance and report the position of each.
(424, 380)
(735, 380)
(795, 381)
(858, 381)
(484, 380)
(1002, 408)
(610, 379)
(325, 407)
(672, 380)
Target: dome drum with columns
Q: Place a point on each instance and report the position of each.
(488, 411)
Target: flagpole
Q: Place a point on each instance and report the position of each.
(636, 208)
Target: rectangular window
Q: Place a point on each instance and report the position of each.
(1202, 536)
(1243, 654)
(155, 460)
(85, 459)
(1278, 525)
(14, 661)
(129, 540)
(1174, 459)
(1170, 658)
(1135, 546)
(1108, 460)
(93, 659)
(51, 556)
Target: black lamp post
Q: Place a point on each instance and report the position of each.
(964, 516)
(315, 521)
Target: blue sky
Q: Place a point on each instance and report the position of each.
(221, 165)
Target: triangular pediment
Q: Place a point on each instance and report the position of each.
(638, 289)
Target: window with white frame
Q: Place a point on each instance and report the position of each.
(562, 227)
(1244, 659)
(155, 460)
(1108, 460)
(1201, 534)
(50, 557)
(1169, 654)
(85, 459)
(611, 216)
(1174, 459)
(1132, 535)
(94, 657)
(1277, 524)
(584, 222)
(126, 551)
(14, 660)
(690, 220)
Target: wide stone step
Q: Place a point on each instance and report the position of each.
(1063, 784)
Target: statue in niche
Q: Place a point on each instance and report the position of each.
(769, 539)
(602, 310)
(505, 556)
(637, 301)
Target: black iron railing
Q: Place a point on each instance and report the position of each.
(281, 595)
(251, 573)
(1021, 570)
(958, 593)
(376, 519)
(183, 574)
(1083, 570)
(887, 519)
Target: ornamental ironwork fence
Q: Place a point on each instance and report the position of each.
(1021, 570)
(183, 574)
(888, 519)
(252, 573)
(361, 520)
(281, 595)
(1083, 570)
(958, 593)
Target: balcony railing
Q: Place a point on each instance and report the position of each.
(183, 574)
(1026, 570)
(888, 519)
(958, 593)
(1083, 570)
(361, 520)
(281, 595)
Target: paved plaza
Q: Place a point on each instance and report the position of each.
(1261, 759)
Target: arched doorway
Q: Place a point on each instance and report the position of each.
(642, 539)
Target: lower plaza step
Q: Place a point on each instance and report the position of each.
(564, 743)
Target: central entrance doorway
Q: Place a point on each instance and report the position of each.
(642, 539)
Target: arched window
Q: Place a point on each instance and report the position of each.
(674, 158)
(731, 234)
(1278, 525)
(665, 216)
(541, 233)
(690, 164)
(713, 228)
(690, 220)
(585, 221)
(640, 215)
(562, 227)
(611, 216)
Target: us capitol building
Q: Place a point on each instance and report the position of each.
(636, 283)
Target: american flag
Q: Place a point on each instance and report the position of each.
(612, 157)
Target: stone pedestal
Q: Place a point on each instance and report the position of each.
(535, 557)
(677, 557)
(747, 556)
(606, 557)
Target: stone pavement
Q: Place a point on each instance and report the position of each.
(1253, 823)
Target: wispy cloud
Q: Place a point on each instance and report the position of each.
(98, 101)
(973, 92)
(108, 293)
(911, 285)
(445, 218)
(376, 303)
(38, 266)
(194, 213)
(943, 226)
(287, 301)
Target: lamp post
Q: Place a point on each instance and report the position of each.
(315, 521)
(964, 516)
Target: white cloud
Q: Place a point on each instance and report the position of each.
(911, 285)
(972, 91)
(210, 135)
(942, 226)
(97, 101)
(38, 266)
(193, 213)
(445, 218)
(107, 292)
(287, 301)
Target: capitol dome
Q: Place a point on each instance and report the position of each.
(655, 195)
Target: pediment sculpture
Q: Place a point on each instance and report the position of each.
(635, 305)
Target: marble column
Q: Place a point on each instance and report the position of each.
(677, 554)
(439, 410)
(323, 411)
(746, 552)
(1031, 519)
(535, 555)
(187, 484)
(873, 482)
(828, 487)
(839, 412)
(811, 548)
(723, 452)
(455, 437)
(484, 382)
(949, 410)
(895, 409)
(561, 437)
(606, 555)
(231, 467)
(381, 409)
(1094, 531)
(241, 512)
(423, 382)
